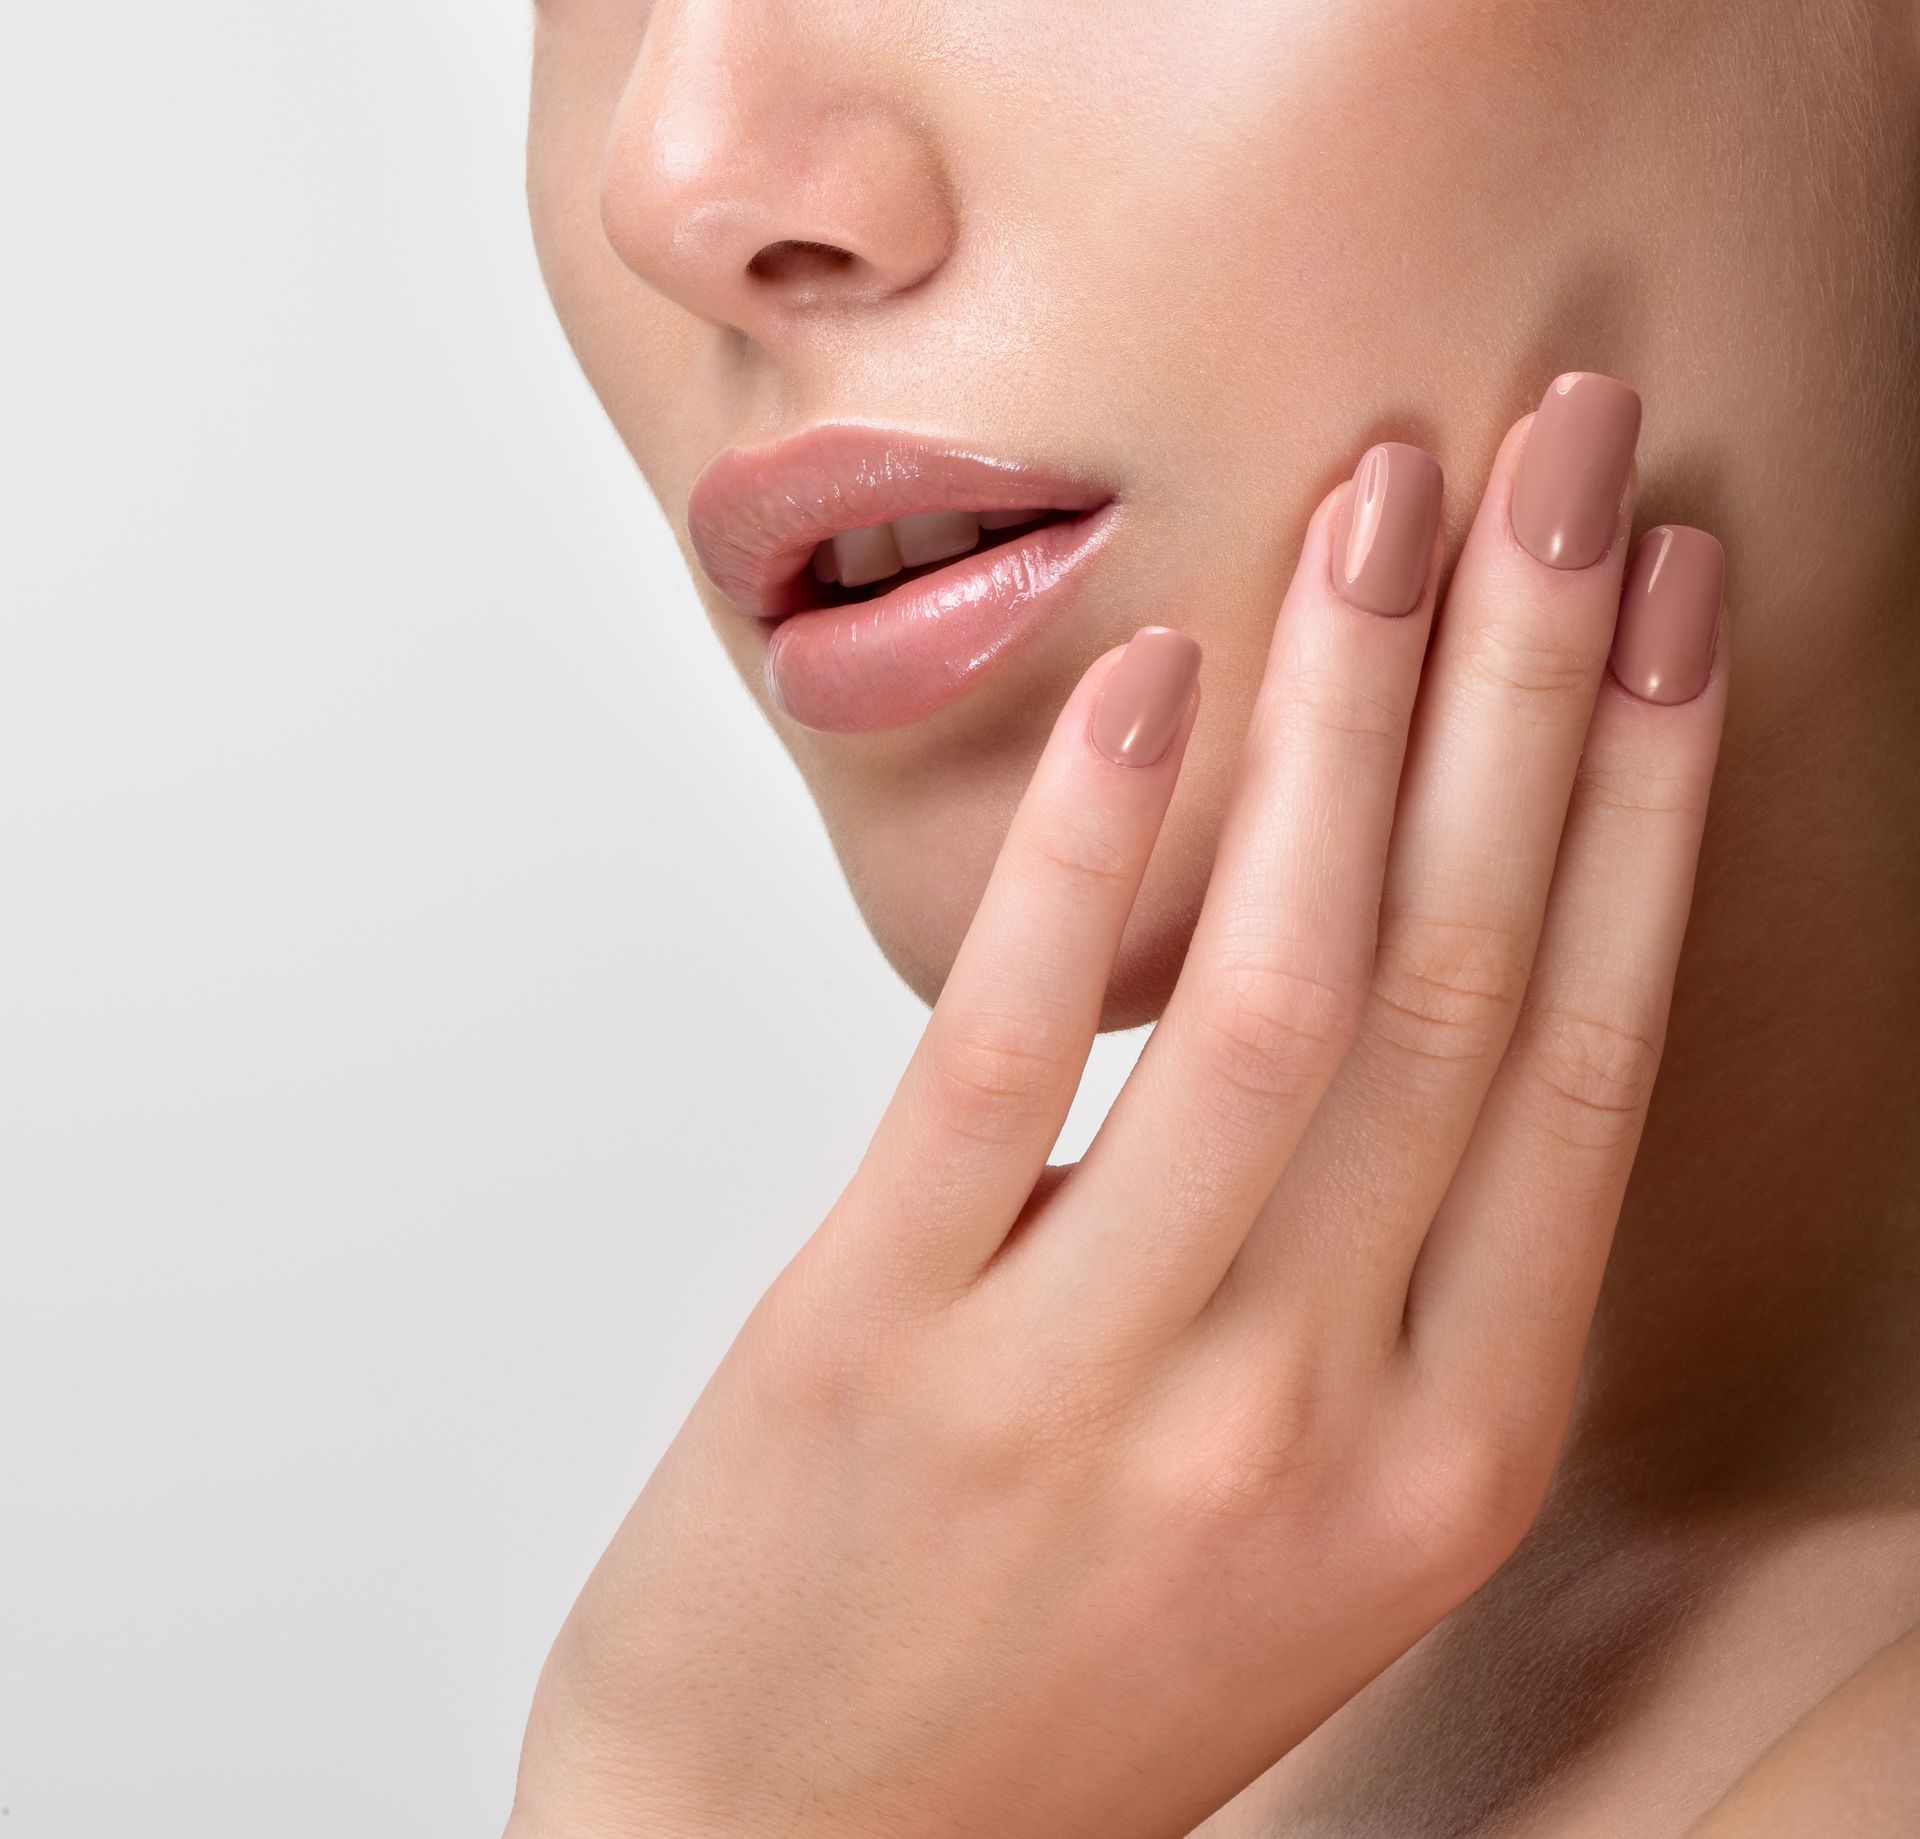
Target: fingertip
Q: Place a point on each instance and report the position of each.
(1143, 701)
(1381, 541)
(1672, 610)
(1573, 479)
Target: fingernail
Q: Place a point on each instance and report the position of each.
(1383, 544)
(1566, 500)
(1670, 614)
(1142, 701)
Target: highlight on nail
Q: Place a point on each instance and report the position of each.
(1145, 696)
(1566, 494)
(1670, 614)
(1383, 544)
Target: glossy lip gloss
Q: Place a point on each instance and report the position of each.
(756, 515)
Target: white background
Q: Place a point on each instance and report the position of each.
(429, 1010)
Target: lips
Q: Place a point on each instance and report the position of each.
(889, 572)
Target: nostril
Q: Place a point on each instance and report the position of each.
(791, 261)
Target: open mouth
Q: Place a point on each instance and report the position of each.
(861, 565)
(847, 513)
(888, 572)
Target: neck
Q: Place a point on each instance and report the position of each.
(1754, 1345)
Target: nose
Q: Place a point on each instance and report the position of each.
(760, 177)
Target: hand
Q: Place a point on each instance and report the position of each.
(1035, 1502)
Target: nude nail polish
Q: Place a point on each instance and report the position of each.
(1670, 614)
(1383, 544)
(1145, 696)
(1566, 499)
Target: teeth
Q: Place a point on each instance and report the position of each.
(856, 558)
(866, 555)
(933, 536)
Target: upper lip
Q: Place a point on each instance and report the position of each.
(756, 513)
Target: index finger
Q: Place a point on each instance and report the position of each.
(967, 1132)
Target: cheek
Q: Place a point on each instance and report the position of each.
(1256, 221)
(1374, 225)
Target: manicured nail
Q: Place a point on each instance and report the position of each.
(1566, 500)
(1383, 544)
(1670, 614)
(1142, 701)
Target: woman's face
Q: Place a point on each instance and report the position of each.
(1185, 261)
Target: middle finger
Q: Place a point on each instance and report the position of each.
(1518, 658)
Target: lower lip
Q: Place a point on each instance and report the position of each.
(882, 662)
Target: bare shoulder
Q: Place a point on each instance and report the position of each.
(1851, 1765)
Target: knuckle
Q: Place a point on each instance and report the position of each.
(1271, 1028)
(1271, 1449)
(1639, 788)
(960, 1395)
(823, 1355)
(1054, 1409)
(1528, 664)
(1087, 854)
(1446, 990)
(1592, 1073)
(991, 1074)
(1463, 1507)
(1331, 702)
(996, 1416)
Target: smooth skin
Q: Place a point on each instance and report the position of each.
(1205, 255)
(1846, 1768)
(1043, 1503)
